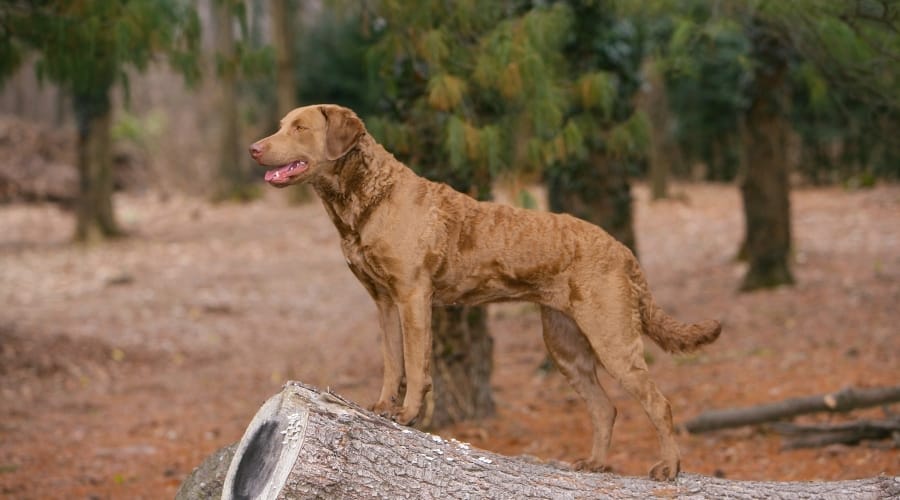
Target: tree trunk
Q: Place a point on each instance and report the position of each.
(285, 90)
(282, 40)
(461, 367)
(765, 187)
(94, 212)
(597, 191)
(307, 444)
(664, 152)
(233, 174)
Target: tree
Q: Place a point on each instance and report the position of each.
(663, 153)
(764, 187)
(236, 61)
(603, 56)
(283, 41)
(847, 42)
(733, 69)
(87, 48)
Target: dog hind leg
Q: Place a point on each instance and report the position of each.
(574, 357)
(615, 334)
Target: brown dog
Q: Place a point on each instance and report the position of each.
(413, 243)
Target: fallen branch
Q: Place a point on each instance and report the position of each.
(841, 401)
(813, 435)
(304, 443)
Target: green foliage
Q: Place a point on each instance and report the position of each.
(330, 60)
(596, 91)
(88, 46)
(708, 71)
(843, 78)
(501, 88)
(142, 131)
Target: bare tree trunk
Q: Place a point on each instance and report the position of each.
(765, 187)
(233, 175)
(664, 152)
(307, 444)
(285, 89)
(461, 367)
(94, 212)
(282, 39)
(597, 191)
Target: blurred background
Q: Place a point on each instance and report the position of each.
(153, 291)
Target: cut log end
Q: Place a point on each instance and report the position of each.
(304, 443)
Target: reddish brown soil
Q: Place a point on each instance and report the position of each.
(122, 366)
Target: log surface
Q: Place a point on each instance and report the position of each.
(304, 443)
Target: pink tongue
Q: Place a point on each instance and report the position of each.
(281, 173)
(277, 174)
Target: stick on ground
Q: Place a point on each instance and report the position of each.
(843, 400)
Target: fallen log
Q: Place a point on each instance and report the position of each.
(814, 435)
(304, 443)
(841, 401)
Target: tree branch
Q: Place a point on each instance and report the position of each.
(810, 436)
(843, 400)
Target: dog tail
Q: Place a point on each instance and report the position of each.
(669, 333)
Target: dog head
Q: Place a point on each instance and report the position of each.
(307, 139)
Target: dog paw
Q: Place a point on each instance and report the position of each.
(664, 471)
(406, 416)
(384, 409)
(591, 465)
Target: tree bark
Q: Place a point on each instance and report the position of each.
(461, 367)
(307, 444)
(841, 401)
(765, 187)
(598, 191)
(94, 213)
(282, 40)
(282, 18)
(233, 175)
(664, 152)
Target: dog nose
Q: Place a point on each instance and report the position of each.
(256, 150)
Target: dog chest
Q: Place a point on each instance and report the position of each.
(368, 264)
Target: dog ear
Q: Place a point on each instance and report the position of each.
(342, 132)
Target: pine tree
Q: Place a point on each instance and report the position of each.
(741, 75)
(87, 48)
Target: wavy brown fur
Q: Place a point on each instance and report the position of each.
(669, 333)
(413, 243)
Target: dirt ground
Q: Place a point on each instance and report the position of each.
(122, 366)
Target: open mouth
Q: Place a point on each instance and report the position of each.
(283, 174)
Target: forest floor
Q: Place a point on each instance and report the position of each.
(122, 366)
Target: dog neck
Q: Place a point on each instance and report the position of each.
(355, 185)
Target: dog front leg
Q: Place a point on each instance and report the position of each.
(415, 320)
(392, 354)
